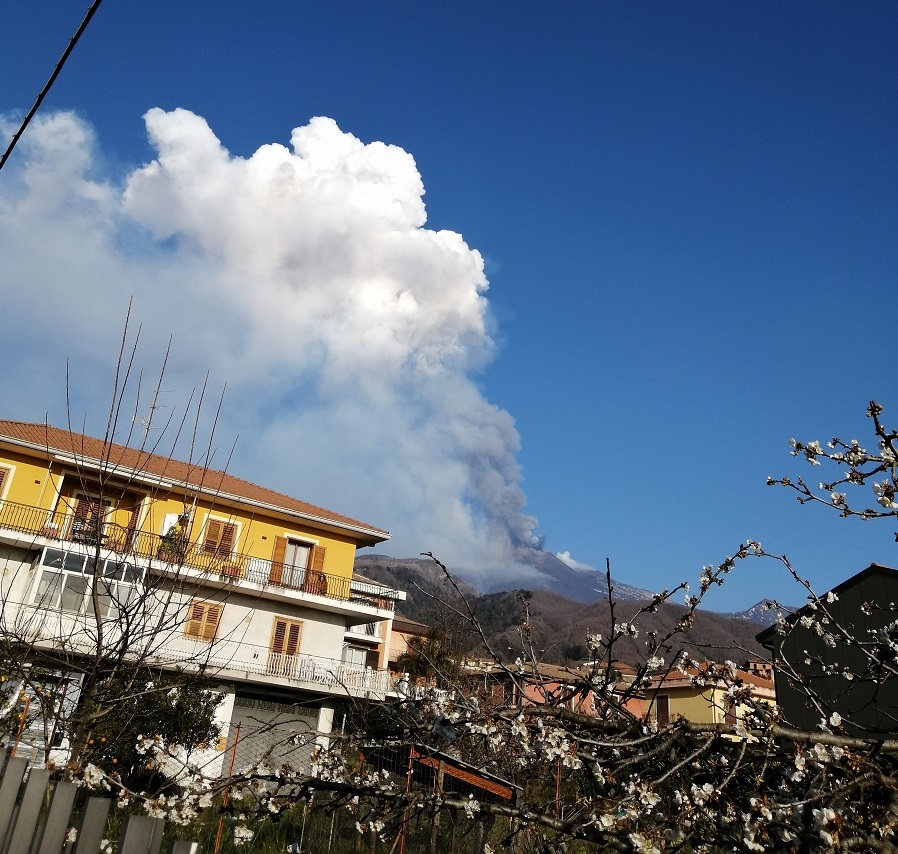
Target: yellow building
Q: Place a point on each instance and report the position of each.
(700, 697)
(257, 585)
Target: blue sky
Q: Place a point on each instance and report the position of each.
(686, 213)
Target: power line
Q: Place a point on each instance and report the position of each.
(42, 94)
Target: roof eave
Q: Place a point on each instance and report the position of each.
(366, 534)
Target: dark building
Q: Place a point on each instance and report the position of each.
(844, 653)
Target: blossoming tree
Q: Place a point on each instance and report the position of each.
(590, 764)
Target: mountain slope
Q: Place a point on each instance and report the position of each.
(534, 570)
(547, 572)
(760, 615)
(559, 625)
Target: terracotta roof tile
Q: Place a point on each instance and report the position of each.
(54, 439)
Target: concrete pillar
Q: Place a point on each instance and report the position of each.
(325, 724)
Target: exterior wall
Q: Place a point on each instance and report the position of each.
(249, 621)
(694, 704)
(257, 532)
(867, 703)
(15, 573)
(399, 640)
(30, 482)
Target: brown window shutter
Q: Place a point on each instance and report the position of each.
(226, 544)
(316, 581)
(279, 635)
(210, 626)
(318, 554)
(202, 620)
(294, 633)
(213, 535)
(195, 614)
(278, 553)
(82, 507)
(3, 474)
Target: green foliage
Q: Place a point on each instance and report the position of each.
(434, 658)
(178, 708)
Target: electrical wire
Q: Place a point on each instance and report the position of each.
(42, 94)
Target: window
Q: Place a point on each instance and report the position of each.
(66, 583)
(357, 656)
(219, 538)
(662, 709)
(729, 716)
(5, 478)
(202, 620)
(367, 629)
(286, 635)
(354, 655)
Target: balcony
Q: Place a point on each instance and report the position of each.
(47, 527)
(299, 670)
(226, 657)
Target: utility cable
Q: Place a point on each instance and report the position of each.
(72, 42)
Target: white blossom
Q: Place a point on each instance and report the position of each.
(242, 834)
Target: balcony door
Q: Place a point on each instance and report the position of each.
(289, 562)
(89, 519)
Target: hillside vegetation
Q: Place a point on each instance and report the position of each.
(558, 625)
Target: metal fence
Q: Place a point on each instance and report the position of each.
(38, 814)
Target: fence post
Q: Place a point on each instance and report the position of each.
(141, 835)
(26, 822)
(9, 790)
(93, 825)
(58, 818)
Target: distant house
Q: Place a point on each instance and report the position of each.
(813, 656)
(403, 630)
(550, 684)
(701, 697)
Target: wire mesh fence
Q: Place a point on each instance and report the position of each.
(317, 826)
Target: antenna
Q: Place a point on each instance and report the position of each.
(147, 421)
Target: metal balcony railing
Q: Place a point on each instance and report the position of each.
(178, 552)
(298, 668)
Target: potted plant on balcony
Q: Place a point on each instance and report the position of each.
(173, 545)
(315, 582)
(231, 570)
